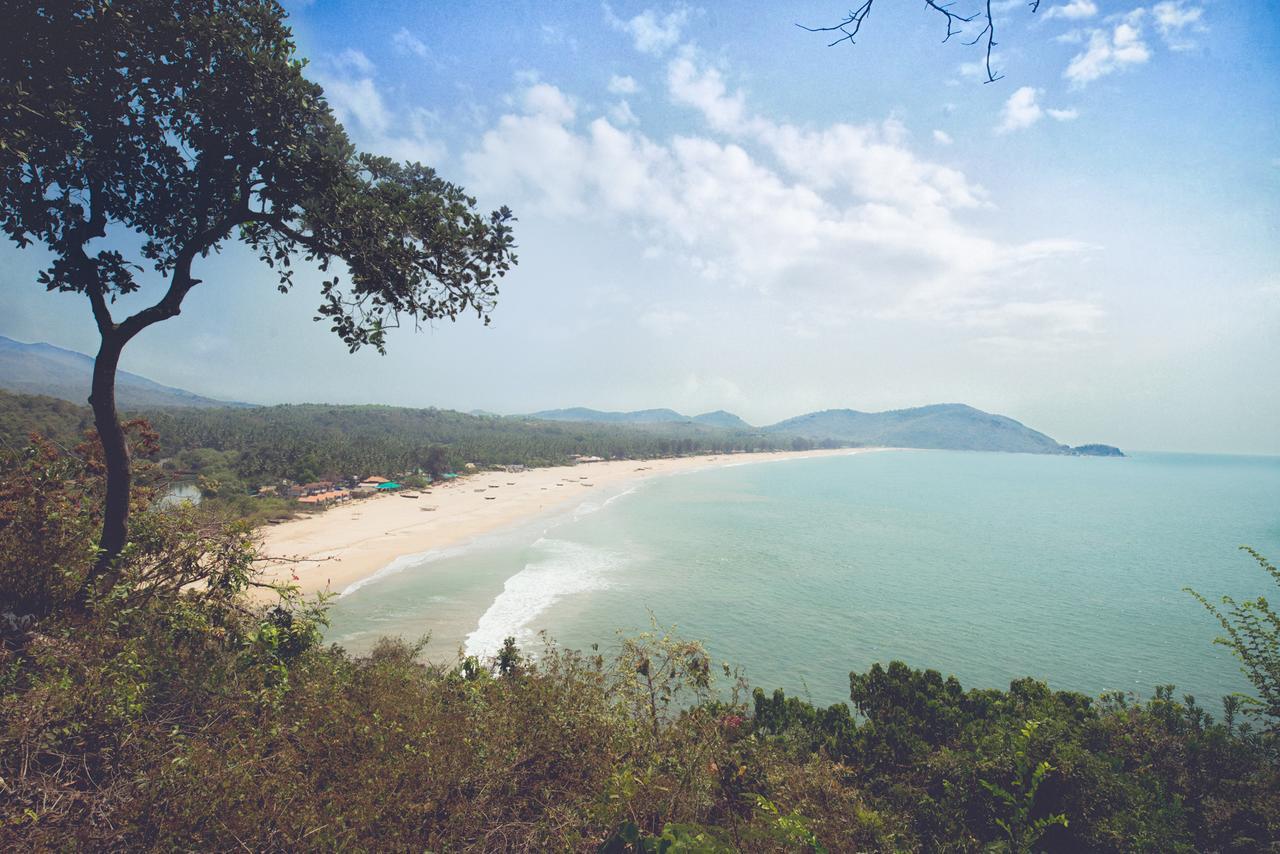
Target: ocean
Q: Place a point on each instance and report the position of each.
(987, 566)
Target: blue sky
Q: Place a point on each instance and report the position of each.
(718, 211)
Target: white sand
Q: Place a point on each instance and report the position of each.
(349, 542)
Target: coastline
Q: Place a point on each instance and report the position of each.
(348, 544)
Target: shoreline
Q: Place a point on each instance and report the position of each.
(348, 544)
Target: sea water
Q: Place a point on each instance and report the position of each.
(987, 566)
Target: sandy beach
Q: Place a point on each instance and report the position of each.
(340, 546)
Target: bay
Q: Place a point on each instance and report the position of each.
(987, 566)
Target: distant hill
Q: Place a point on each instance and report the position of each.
(43, 369)
(944, 426)
(720, 418)
(951, 426)
(580, 413)
(1097, 451)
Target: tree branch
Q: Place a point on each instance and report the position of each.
(854, 20)
(101, 313)
(181, 282)
(86, 270)
(278, 224)
(990, 32)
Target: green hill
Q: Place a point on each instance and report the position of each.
(951, 426)
(44, 369)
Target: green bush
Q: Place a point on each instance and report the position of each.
(168, 713)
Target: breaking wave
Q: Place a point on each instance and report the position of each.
(562, 568)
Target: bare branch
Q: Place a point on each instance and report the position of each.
(854, 19)
(989, 31)
(951, 17)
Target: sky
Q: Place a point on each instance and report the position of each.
(718, 211)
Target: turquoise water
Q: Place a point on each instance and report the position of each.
(988, 566)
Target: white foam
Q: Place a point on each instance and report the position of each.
(586, 508)
(622, 494)
(402, 563)
(563, 569)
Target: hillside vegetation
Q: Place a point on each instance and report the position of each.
(231, 452)
(165, 712)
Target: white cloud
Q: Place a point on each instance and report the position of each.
(406, 42)
(1074, 11)
(1174, 20)
(623, 85)
(705, 90)
(349, 86)
(353, 61)
(1020, 111)
(1108, 52)
(1023, 110)
(835, 222)
(621, 114)
(942, 137)
(546, 100)
(867, 160)
(650, 31)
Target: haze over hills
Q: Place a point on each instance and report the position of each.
(943, 426)
(720, 418)
(947, 425)
(581, 413)
(44, 369)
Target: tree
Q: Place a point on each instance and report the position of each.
(1253, 634)
(151, 132)
(851, 25)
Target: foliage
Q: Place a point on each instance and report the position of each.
(147, 134)
(233, 451)
(174, 712)
(1253, 635)
(186, 121)
(49, 494)
(1023, 830)
(58, 421)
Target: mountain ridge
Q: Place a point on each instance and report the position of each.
(941, 426)
(45, 369)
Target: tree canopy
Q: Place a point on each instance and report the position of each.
(146, 134)
(185, 121)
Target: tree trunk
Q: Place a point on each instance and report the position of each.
(115, 450)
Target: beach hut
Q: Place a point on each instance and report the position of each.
(369, 484)
(387, 484)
